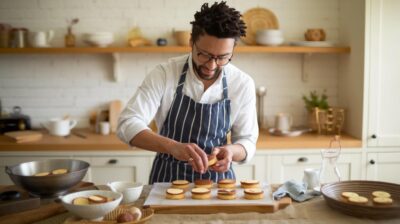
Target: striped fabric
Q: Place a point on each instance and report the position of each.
(190, 122)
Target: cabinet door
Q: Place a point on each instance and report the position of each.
(13, 160)
(291, 167)
(383, 166)
(254, 170)
(383, 69)
(129, 168)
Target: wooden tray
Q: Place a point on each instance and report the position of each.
(332, 194)
(111, 218)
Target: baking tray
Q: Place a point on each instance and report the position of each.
(332, 195)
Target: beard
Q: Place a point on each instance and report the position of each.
(198, 70)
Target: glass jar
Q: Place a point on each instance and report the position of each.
(329, 171)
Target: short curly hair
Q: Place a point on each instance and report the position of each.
(219, 20)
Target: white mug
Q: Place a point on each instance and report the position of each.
(59, 127)
(105, 128)
(131, 191)
(41, 38)
(311, 178)
(283, 122)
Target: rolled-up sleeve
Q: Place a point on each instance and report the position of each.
(142, 107)
(245, 127)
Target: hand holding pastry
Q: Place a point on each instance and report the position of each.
(191, 153)
(224, 156)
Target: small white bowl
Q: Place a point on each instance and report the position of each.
(98, 39)
(270, 41)
(131, 191)
(94, 212)
(270, 32)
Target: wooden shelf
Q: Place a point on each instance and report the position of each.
(170, 49)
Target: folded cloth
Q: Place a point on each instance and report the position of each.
(296, 190)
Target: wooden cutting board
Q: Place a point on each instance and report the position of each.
(115, 110)
(24, 136)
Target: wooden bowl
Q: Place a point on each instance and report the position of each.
(332, 194)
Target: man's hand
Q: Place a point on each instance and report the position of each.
(224, 156)
(192, 153)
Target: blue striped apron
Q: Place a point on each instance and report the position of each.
(190, 122)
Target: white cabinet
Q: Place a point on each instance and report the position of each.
(382, 166)
(382, 72)
(255, 169)
(291, 165)
(104, 169)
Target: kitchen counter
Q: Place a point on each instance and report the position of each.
(85, 140)
(309, 212)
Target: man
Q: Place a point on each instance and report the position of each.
(196, 100)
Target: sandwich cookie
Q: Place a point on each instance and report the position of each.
(201, 193)
(253, 194)
(203, 183)
(175, 194)
(246, 184)
(226, 194)
(212, 160)
(226, 183)
(180, 184)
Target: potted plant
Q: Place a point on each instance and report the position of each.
(316, 105)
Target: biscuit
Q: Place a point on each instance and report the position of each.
(42, 174)
(253, 194)
(348, 194)
(226, 194)
(203, 183)
(212, 160)
(181, 184)
(80, 201)
(358, 200)
(246, 184)
(96, 199)
(175, 194)
(381, 194)
(59, 171)
(226, 183)
(201, 193)
(382, 200)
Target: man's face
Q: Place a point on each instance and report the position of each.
(210, 55)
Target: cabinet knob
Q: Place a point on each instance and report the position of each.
(373, 136)
(112, 161)
(372, 162)
(302, 160)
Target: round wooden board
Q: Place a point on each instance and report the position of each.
(332, 195)
(256, 19)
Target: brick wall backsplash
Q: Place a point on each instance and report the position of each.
(53, 85)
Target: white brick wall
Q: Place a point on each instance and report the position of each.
(54, 85)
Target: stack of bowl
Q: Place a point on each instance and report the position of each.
(99, 39)
(270, 37)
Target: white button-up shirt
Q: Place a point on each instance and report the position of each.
(154, 97)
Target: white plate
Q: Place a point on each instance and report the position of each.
(292, 133)
(313, 43)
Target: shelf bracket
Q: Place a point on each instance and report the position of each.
(304, 64)
(116, 68)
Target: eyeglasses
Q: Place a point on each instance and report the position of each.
(220, 60)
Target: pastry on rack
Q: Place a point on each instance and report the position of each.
(201, 193)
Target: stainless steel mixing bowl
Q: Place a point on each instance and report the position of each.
(48, 186)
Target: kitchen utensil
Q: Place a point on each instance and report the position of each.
(41, 38)
(147, 214)
(60, 126)
(329, 171)
(315, 35)
(261, 92)
(130, 191)
(51, 185)
(94, 212)
(24, 136)
(115, 109)
(16, 121)
(182, 37)
(256, 19)
(332, 195)
(311, 178)
(19, 37)
(105, 128)
(283, 122)
(293, 132)
(270, 37)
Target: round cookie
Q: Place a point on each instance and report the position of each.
(348, 194)
(212, 160)
(175, 194)
(201, 193)
(246, 184)
(253, 194)
(358, 200)
(180, 184)
(226, 194)
(203, 183)
(381, 194)
(226, 183)
(383, 201)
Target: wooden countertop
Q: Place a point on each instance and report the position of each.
(93, 141)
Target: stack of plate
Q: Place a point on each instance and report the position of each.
(99, 39)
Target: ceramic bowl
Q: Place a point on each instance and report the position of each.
(269, 37)
(94, 212)
(99, 39)
(131, 191)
